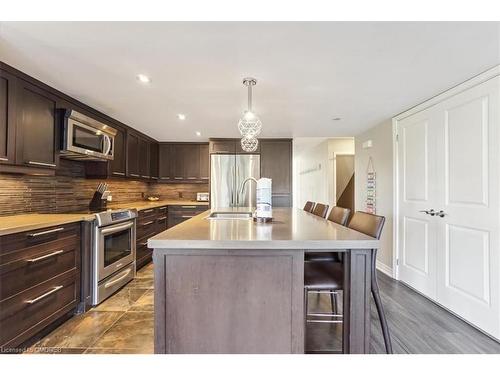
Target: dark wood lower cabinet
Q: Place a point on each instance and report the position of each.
(152, 221)
(39, 280)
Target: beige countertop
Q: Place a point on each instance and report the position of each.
(25, 222)
(143, 205)
(291, 229)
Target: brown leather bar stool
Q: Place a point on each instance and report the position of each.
(328, 277)
(309, 206)
(320, 210)
(340, 216)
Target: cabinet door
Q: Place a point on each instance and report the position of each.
(191, 156)
(276, 163)
(177, 153)
(223, 147)
(144, 169)
(7, 117)
(118, 164)
(164, 163)
(204, 162)
(132, 155)
(153, 160)
(36, 117)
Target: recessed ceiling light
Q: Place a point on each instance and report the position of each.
(336, 118)
(143, 78)
(198, 134)
(181, 116)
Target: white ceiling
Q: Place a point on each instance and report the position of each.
(308, 73)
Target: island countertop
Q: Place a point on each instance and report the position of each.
(291, 228)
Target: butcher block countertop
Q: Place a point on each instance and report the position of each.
(291, 228)
(25, 222)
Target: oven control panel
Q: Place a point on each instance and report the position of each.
(121, 215)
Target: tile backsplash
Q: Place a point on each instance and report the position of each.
(70, 191)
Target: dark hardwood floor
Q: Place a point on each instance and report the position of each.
(417, 325)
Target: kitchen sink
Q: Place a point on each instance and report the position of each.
(229, 216)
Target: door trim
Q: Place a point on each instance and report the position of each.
(474, 81)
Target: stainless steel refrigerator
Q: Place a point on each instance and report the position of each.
(227, 175)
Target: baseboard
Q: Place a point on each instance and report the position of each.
(385, 269)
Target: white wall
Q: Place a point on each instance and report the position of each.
(310, 163)
(381, 153)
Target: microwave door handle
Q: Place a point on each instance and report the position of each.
(107, 144)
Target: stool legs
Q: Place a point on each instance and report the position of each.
(378, 304)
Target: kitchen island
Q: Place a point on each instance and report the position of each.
(230, 285)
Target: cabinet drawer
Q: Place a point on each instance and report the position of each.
(187, 208)
(38, 264)
(161, 223)
(144, 214)
(28, 312)
(146, 228)
(11, 244)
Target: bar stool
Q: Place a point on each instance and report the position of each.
(328, 277)
(340, 216)
(320, 210)
(309, 206)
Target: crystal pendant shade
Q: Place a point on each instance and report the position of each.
(249, 144)
(249, 125)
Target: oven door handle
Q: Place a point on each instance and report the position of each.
(123, 275)
(116, 228)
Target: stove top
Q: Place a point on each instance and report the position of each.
(109, 216)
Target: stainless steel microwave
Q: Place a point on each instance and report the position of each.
(86, 138)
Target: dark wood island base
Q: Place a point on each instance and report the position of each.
(233, 286)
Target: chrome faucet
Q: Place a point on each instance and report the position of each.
(243, 186)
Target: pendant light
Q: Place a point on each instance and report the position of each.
(249, 125)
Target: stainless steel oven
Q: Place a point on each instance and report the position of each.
(86, 138)
(114, 252)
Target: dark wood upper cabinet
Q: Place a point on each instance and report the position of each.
(229, 146)
(164, 163)
(177, 154)
(153, 160)
(118, 166)
(144, 167)
(7, 117)
(133, 155)
(276, 163)
(191, 155)
(36, 126)
(204, 162)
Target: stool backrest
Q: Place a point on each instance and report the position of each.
(368, 224)
(320, 210)
(339, 215)
(309, 206)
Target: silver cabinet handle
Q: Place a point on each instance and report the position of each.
(4, 159)
(134, 175)
(148, 223)
(146, 176)
(161, 218)
(45, 232)
(178, 178)
(147, 211)
(187, 216)
(154, 178)
(188, 206)
(162, 208)
(164, 178)
(119, 173)
(120, 278)
(53, 290)
(41, 164)
(192, 178)
(33, 260)
(143, 243)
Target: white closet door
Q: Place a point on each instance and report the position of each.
(417, 230)
(468, 265)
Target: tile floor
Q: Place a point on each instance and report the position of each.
(123, 324)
